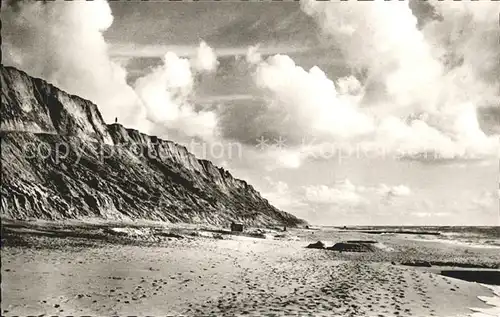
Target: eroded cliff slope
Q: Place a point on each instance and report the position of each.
(60, 160)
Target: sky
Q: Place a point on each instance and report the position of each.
(342, 113)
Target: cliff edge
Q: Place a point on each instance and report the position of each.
(61, 161)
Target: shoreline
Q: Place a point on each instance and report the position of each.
(91, 271)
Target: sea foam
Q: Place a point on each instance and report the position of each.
(494, 301)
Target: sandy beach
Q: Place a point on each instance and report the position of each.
(197, 272)
(269, 158)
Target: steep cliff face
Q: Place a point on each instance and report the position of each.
(33, 105)
(60, 160)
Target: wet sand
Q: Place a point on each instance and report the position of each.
(233, 276)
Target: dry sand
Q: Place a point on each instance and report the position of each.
(231, 277)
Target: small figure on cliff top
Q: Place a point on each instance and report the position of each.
(116, 119)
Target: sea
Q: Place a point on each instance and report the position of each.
(474, 236)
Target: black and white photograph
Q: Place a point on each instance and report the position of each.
(250, 158)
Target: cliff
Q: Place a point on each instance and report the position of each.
(60, 161)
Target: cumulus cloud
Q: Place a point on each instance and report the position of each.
(206, 59)
(307, 107)
(383, 39)
(349, 85)
(466, 38)
(253, 56)
(344, 193)
(295, 105)
(304, 103)
(279, 194)
(487, 200)
(164, 92)
(400, 190)
(395, 191)
(323, 203)
(423, 214)
(429, 109)
(63, 43)
(432, 80)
